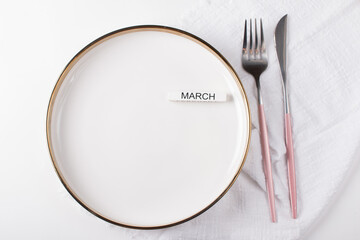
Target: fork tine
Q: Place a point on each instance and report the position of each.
(262, 44)
(245, 37)
(256, 37)
(251, 41)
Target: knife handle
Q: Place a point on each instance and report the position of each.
(291, 165)
(267, 162)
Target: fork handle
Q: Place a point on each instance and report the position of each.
(267, 161)
(291, 165)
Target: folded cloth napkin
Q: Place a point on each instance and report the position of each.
(324, 87)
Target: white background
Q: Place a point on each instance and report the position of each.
(37, 40)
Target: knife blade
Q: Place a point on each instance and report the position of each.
(280, 43)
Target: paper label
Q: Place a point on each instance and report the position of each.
(197, 96)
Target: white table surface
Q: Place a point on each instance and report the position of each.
(37, 40)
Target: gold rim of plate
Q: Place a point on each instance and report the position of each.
(97, 42)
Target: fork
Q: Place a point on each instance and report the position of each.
(254, 61)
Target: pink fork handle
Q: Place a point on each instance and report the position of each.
(267, 162)
(291, 165)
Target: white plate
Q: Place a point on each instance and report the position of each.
(126, 152)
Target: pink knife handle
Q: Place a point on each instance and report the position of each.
(291, 165)
(267, 162)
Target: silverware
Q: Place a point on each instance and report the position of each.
(280, 41)
(254, 61)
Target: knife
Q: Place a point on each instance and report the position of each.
(280, 43)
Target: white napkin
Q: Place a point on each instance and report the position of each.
(323, 70)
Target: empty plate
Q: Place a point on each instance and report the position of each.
(148, 127)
